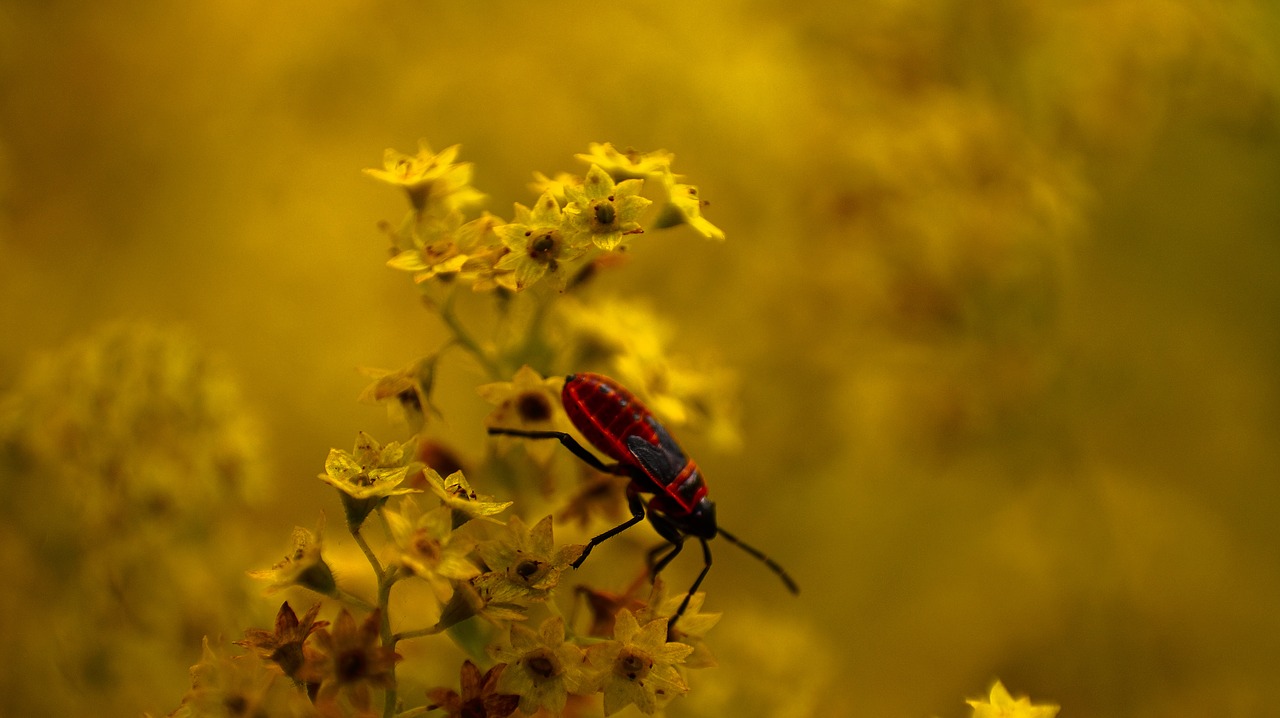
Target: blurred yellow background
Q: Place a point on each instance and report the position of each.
(1000, 288)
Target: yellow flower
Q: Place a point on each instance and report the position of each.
(684, 206)
(435, 248)
(638, 666)
(690, 629)
(603, 210)
(542, 184)
(407, 391)
(524, 564)
(630, 164)
(539, 245)
(429, 178)
(542, 668)
(428, 547)
(371, 470)
(240, 685)
(999, 704)
(456, 493)
(366, 477)
(528, 402)
(305, 566)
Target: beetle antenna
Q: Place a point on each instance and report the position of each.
(782, 574)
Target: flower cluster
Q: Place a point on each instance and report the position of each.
(573, 220)
(471, 572)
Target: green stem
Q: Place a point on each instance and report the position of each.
(354, 600)
(464, 338)
(385, 582)
(419, 633)
(368, 553)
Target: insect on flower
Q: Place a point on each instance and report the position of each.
(618, 425)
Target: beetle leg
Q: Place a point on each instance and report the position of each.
(570, 443)
(675, 541)
(706, 556)
(637, 515)
(655, 567)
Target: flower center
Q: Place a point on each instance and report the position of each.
(605, 214)
(426, 547)
(632, 664)
(542, 664)
(544, 245)
(351, 665)
(527, 570)
(533, 407)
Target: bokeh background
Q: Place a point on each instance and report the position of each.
(1001, 290)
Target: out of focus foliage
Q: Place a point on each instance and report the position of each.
(1001, 302)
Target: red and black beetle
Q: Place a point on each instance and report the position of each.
(615, 422)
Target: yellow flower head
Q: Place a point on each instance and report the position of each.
(434, 247)
(630, 164)
(542, 668)
(430, 179)
(406, 391)
(603, 210)
(528, 402)
(524, 564)
(456, 493)
(370, 471)
(538, 245)
(428, 547)
(999, 704)
(684, 206)
(245, 682)
(304, 566)
(692, 627)
(638, 666)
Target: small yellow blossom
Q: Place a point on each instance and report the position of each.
(479, 697)
(456, 493)
(286, 645)
(523, 564)
(605, 605)
(305, 566)
(371, 470)
(350, 660)
(638, 666)
(528, 402)
(630, 164)
(692, 627)
(429, 178)
(223, 686)
(603, 210)
(599, 494)
(539, 245)
(435, 249)
(999, 704)
(469, 600)
(542, 184)
(428, 547)
(407, 391)
(542, 668)
(684, 206)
